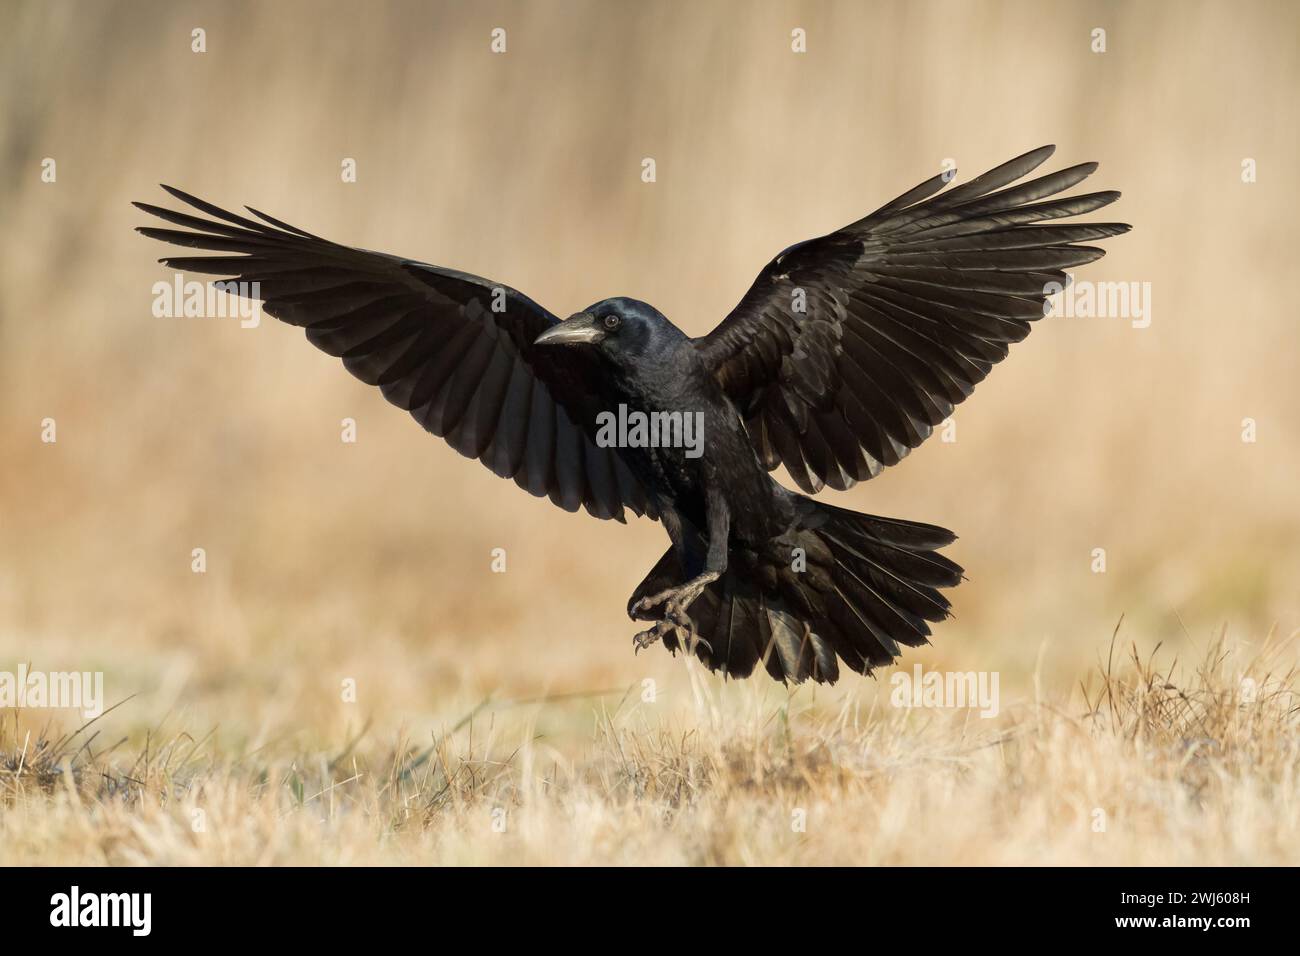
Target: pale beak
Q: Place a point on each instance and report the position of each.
(580, 329)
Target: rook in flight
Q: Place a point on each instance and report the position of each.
(840, 359)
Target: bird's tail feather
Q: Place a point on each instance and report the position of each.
(839, 585)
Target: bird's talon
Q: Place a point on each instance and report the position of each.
(644, 639)
(688, 639)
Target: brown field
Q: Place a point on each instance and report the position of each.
(503, 718)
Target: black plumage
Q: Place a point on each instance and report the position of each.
(843, 355)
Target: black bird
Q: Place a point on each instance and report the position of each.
(842, 356)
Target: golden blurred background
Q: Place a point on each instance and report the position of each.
(371, 561)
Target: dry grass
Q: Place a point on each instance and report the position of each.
(370, 562)
(1146, 763)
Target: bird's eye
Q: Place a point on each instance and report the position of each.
(610, 322)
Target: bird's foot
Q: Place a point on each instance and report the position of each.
(677, 602)
(685, 635)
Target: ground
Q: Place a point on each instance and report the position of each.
(1147, 762)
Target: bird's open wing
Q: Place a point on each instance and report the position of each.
(847, 349)
(452, 349)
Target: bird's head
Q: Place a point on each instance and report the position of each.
(620, 329)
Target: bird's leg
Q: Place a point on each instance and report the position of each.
(677, 601)
(681, 598)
